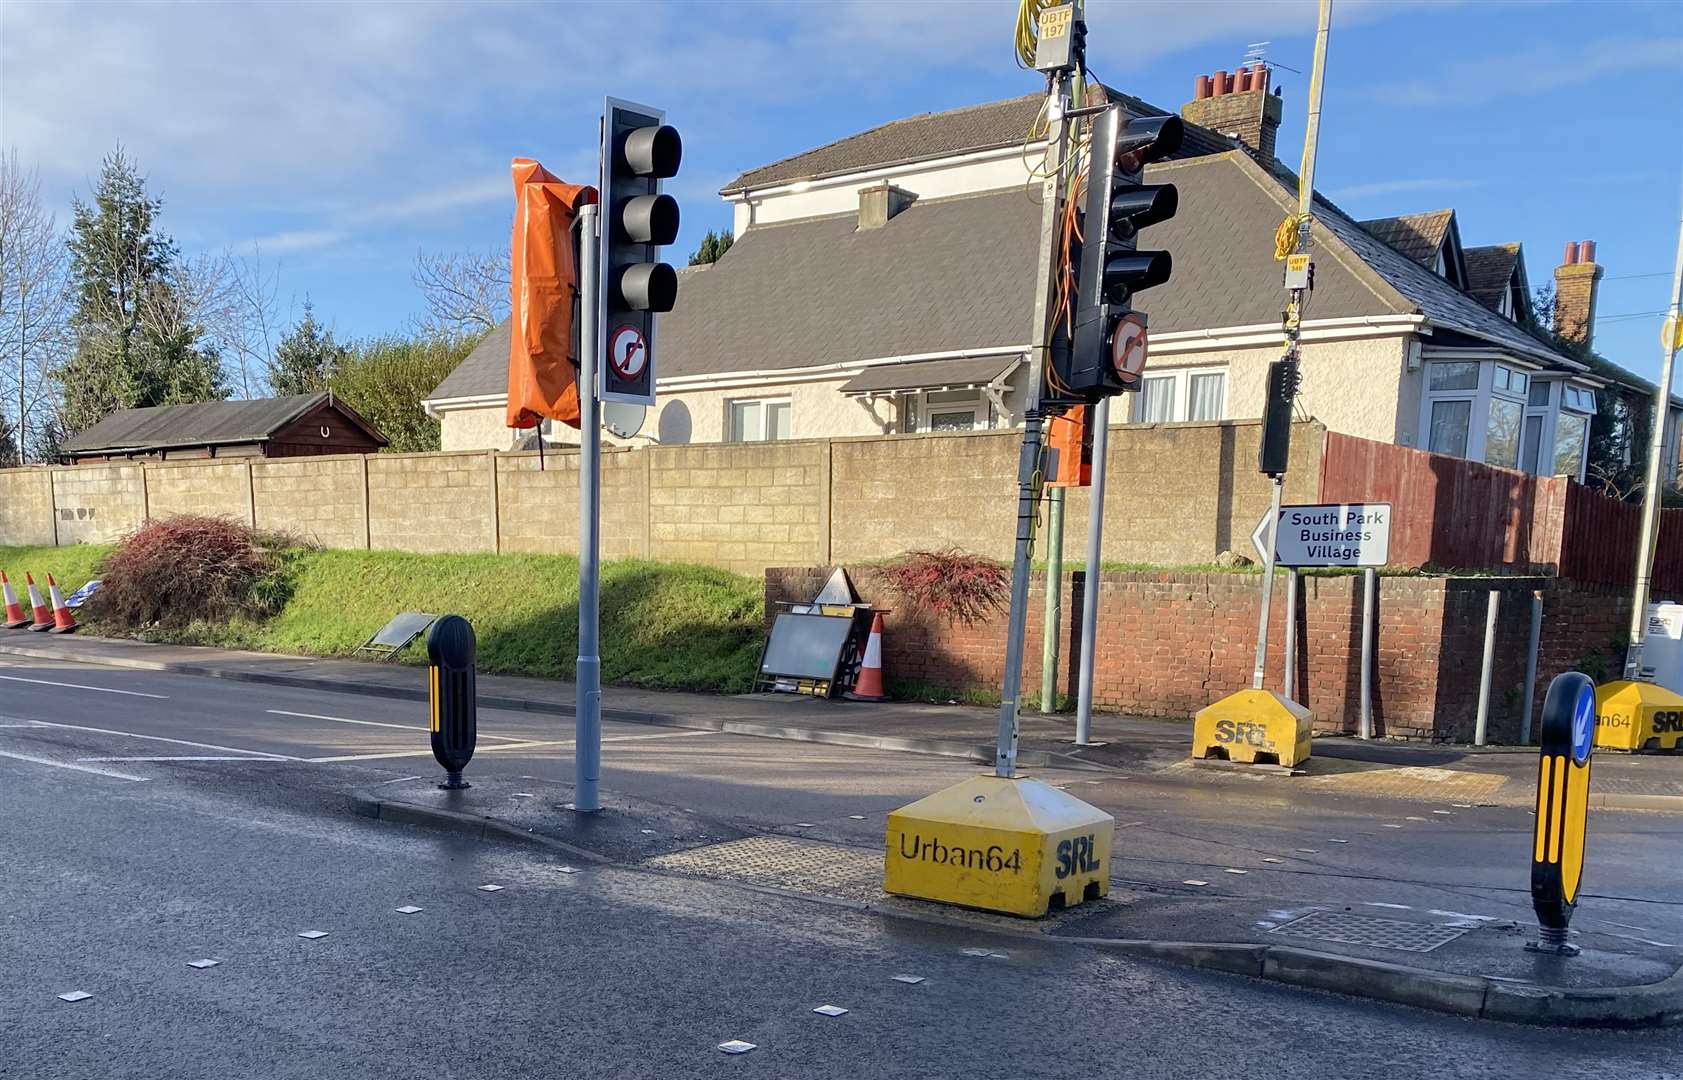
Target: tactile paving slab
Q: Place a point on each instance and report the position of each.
(780, 862)
(1370, 931)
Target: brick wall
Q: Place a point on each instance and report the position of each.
(1168, 644)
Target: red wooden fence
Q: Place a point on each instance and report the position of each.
(1451, 513)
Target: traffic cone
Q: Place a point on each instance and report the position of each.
(868, 686)
(43, 614)
(63, 621)
(15, 618)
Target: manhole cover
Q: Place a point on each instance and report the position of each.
(1373, 932)
(783, 863)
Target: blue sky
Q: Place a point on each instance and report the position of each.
(343, 138)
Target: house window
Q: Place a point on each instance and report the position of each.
(954, 410)
(759, 421)
(1501, 436)
(1571, 434)
(1456, 375)
(1209, 388)
(1157, 400)
(1578, 399)
(1181, 395)
(1450, 421)
(1509, 381)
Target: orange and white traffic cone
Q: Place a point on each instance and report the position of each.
(63, 621)
(868, 686)
(15, 618)
(43, 614)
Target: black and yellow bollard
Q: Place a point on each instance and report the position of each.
(1563, 776)
(454, 696)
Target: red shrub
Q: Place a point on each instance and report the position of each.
(169, 573)
(957, 585)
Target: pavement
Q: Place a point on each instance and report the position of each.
(1341, 764)
(1232, 870)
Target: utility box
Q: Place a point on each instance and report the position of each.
(1662, 648)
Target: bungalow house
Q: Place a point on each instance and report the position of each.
(883, 283)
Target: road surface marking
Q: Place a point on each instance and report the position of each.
(196, 758)
(662, 735)
(164, 738)
(73, 767)
(83, 686)
(534, 744)
(380, 723)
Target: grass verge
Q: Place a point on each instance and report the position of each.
(664, 625)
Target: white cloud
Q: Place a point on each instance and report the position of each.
(1357, 192)
(1531, 72)
(326, 123)
(298, 240)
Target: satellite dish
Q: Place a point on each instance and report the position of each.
(623, 420)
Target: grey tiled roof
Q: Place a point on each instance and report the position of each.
(948, 275)
(1419, 236)
(957, 373)
(482, 371)
(933, 135)
(198, 424)
(1490, 272)
(943, 275)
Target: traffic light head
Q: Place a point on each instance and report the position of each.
(639, 150)
(1112, 271)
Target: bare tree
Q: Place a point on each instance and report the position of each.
(34, 299)
(465, 292)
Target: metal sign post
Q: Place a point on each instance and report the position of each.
(587, 737)
(1029, 461)
(1671, 339)
(1090, 577)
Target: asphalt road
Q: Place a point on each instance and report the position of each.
(122, 867)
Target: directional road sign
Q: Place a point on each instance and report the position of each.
(1329, 534)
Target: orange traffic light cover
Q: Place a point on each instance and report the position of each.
(544, 287)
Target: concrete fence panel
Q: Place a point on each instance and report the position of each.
(320, 499)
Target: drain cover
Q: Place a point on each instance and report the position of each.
(785, 863)
(1367, 930)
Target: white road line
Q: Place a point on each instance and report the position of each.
(662, 735)
(161, 738)
(75, 768)
(84, 686)
(172, 759)
(533, 745)
(380, 723)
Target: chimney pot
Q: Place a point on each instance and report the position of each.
(1242, 81)
(1220, 84)
(1259, 77)
(1571, 255)
(1586, 251)
(1202, 88)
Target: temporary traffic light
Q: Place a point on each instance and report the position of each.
(1275, 452)
(638, 151)
(1106, 353)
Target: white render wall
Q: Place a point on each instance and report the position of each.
(989, 171)
(1359, 387)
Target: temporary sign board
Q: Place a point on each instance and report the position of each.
(1330, 534)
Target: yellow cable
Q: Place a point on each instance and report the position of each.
(1286, 237)
(1028, 29)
